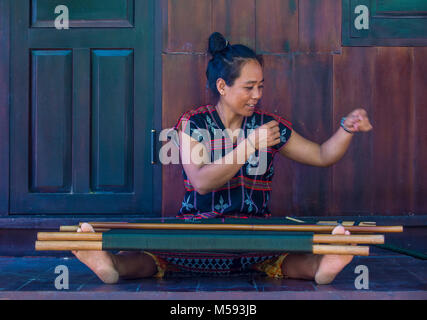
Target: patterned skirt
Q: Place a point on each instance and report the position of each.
(218, 263)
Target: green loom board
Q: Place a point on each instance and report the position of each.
(207, 240)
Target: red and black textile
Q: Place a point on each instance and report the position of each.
(248, 192)
(212, 263)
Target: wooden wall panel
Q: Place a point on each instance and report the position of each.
(277, 94)
(187, 25)
(420, 138)
(184, 85)
(354, 74)
(235, 19)
(184, 88)
(312, 81)
(276, 26)
(393, 135)
(319, 25)
(277, 99)
(312, 118)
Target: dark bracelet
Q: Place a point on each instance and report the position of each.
(343, 126)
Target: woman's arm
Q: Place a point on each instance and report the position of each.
(307, 152)
(206, 176)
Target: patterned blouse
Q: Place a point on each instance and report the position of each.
(249, 191)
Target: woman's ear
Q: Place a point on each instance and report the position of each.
(220, 85)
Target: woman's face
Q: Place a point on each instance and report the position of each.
(246, 91)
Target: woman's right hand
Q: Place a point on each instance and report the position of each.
(267, 135)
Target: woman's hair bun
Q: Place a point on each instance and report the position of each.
(217, 43)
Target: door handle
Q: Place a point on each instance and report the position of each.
(153, 147)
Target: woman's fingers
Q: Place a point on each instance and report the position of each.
(267, 134)
(363, 125)
(358, 121)
(271, 124)
(275, 129)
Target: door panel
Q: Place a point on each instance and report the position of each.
(82, 108)
(92, 13)
(112, 151)
(50, 121)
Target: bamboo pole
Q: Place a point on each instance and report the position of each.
(347, 250)
(68, 245)
(69, 236)
(74, 229)
(196, 226)
(68, 228)
(350, 239)
(97, 245)
(317, 238)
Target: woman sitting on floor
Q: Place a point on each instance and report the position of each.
(227, 152)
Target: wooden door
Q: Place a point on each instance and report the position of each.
(81, 107)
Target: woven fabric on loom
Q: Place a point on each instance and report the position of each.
(207, 241)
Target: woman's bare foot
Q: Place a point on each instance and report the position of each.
(330, 265)
(100, 262)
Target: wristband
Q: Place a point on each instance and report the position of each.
(343, 126)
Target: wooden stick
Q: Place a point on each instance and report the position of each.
(68, 228)
(351, 239)
(74, 229)
(196, 226)
(68, 245)
(317, 238)
(69, 236)
(97, 245)
(348, 250)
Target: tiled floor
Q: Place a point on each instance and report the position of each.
(391, 276)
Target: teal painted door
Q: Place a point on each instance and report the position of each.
(81, 107)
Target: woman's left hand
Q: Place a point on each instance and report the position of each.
(358, 121)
